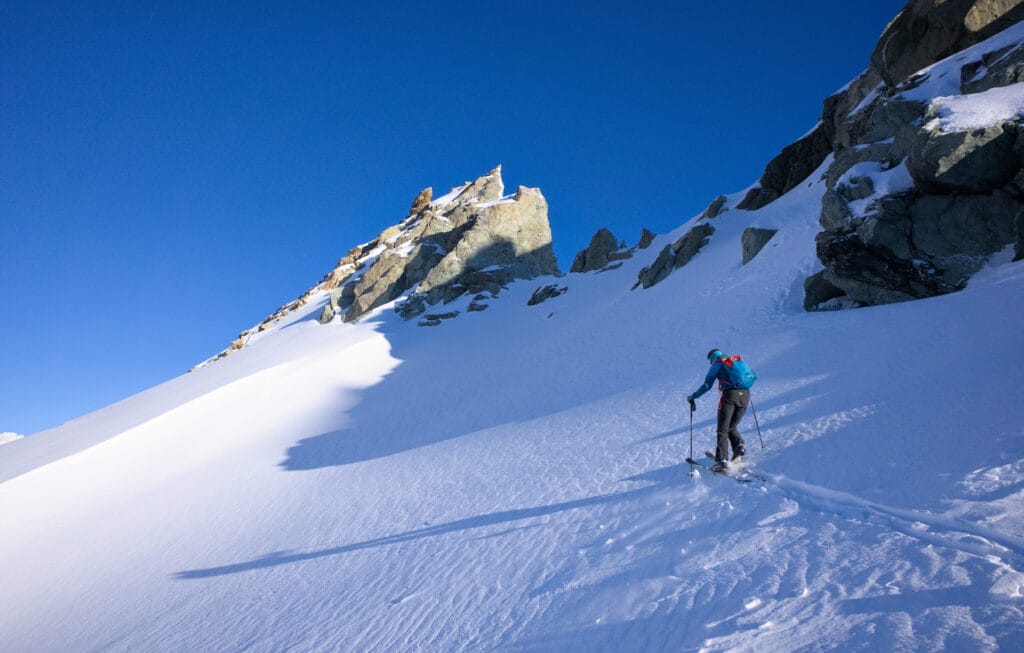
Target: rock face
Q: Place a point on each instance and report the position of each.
(473, 240)
(924, 187)
(646, 238)
(715, 209)
(675, 255)
(754, 240)
(596, 255)
(927, 31)
(604, 253)
(789, 168)
(545, 293)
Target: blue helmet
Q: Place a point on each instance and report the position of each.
(714, 355)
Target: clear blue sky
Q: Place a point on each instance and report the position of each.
(171, 173)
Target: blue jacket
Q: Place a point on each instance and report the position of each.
(719, 372)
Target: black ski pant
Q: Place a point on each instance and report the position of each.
(730, 411)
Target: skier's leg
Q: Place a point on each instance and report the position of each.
(741, 399)
(725, 413)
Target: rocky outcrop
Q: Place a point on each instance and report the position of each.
(924, 187)
(818, 291)
(715, 209)
(596, 255)
(545, 293)
(604, 253)
(753, 241)
(675, 255)
(646, 238)
(1001, 67)
(796, 161)
(473, 240)
(927, 31)
(970, 161)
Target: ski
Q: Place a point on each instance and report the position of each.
(739, 474)
(738, 479)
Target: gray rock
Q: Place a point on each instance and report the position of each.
(858, 188)
(545, 293)
(441, 316)
(715, 209)
(835, 213)
(929, 30)
(646, 238)
(884, 118)
(333, 306)
(914, 245)
(847, 157)
(435, 319)
(476, 307)
(659, 270)
(675, 255)
(492, 280)
(422, 201)
(476, 242)
(689, 245)
(412, 307)
(1000, 68)
(872, 276)
(836, 108)
(975, 161)
(596, 255)
(794, 164)
(818, 289)
(327, 314)
(971, 225)
(888, 231)
(756, 198)
(754, 240)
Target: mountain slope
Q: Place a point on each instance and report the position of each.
(373, 486)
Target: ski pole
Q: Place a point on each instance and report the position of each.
(755, 424)
(691, 437)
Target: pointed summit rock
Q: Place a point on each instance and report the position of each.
(473, 240)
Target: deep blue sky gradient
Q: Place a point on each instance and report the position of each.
(171, 173)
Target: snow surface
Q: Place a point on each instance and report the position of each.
(8, 436)
(514, 479)
(966, 112)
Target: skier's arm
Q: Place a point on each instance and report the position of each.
(709, 381)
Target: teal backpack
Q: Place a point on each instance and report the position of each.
(740, 374)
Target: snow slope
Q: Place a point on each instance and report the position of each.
(514, 479)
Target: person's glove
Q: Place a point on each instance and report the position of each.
(693, 404)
